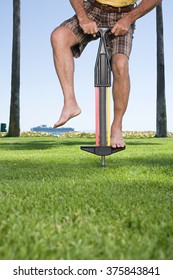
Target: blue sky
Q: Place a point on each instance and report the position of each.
(41, 97)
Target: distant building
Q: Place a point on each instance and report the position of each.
(54, 131)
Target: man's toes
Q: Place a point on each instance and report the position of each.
(116, 144)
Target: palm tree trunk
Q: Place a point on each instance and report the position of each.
(161, 118)
(14, 124)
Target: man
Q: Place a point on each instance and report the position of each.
(69, 40)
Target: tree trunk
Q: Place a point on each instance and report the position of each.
(161, 119)
(14, 124)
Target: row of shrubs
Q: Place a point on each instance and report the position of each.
(126, 134)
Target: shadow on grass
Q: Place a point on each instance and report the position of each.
(143, 144)
(34, 145)
(90, 161)
(41, 145)
(48, 144)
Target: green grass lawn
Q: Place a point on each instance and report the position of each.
(56, 202)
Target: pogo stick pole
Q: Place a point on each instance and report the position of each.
(102, 81)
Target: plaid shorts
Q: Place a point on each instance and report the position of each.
(115, 44)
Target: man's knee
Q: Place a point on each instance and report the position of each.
(120, 64)
(56, 35)
(63, 36)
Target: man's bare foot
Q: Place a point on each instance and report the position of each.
(67, 114)
(117, 140)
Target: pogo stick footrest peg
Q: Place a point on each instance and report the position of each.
(101, 150)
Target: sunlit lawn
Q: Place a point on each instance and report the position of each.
(56, 202)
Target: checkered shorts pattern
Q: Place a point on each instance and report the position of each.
(115, 44)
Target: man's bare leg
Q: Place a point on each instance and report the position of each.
(121, 89)
(62, 40)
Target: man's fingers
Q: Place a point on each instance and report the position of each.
(94, 35)
(90, 28)
(119, 31)
(116, 32)
(121, 27)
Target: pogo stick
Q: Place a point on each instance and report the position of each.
(102, 83)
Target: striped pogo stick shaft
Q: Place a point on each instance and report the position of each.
(97, 118)
(108, 116)
(102, 116)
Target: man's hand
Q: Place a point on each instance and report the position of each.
(122, 26)
(89, 26)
